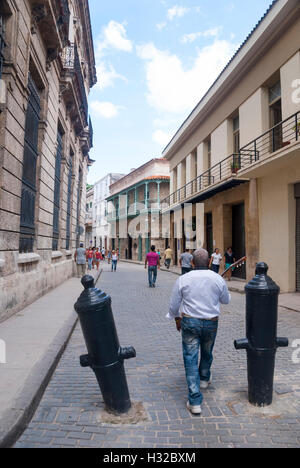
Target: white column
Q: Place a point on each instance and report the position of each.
(190, 167)
(200, 159)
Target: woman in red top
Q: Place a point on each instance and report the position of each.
(98, 257)
(90, 257)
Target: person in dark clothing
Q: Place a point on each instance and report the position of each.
(229, 260)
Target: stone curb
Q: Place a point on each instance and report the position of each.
(15, 420)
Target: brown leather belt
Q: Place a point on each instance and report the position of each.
(215, 319)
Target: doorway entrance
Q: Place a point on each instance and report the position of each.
(129, 248)
(209, 233)
(238, 238)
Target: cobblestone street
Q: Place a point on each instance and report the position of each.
(69, 413)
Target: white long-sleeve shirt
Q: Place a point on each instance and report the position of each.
(198, 294)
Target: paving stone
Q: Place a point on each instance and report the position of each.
(70, 410)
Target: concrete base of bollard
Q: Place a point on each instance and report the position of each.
(136, 415)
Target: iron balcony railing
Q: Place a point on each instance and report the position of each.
(281, 135)
(278, 137)
(68, 57)
(134, 209)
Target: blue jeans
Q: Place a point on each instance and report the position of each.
(215, 268)
(152, 275)
(197, 334)
(114, 265)
(90, 263)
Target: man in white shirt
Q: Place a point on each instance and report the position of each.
(195, 306)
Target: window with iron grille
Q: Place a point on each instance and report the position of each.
(81, 86)
(2, 42)
(78, 233)
(57, 191)
(68, 227)
(27, 223)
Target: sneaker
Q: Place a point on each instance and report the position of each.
(204, 384)
(194, 409)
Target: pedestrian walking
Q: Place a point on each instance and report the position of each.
(114, 261)
(185, 262)
(195, 306)
(80, 259)
(108, 257)
(215, 261)
(103, 253)
(94, 257)
(98, 257)
(168, 257)
(90, 258)
(152, 260)
(229, 260)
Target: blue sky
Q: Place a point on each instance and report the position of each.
(155, 60)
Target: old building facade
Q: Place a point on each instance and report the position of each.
(100, 224)
(47, 70)
(236, 158)
(134, 210)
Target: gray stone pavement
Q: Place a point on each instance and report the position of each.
(289, 301)
(69, 414)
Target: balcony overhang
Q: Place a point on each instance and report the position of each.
(222, 187)
(286, 157)
(209, 193)
(52, 21)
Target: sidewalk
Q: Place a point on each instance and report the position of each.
(290, 301)
(35, 339)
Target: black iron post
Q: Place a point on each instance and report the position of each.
(105, 356)
(261, 330)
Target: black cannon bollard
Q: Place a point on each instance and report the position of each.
(261, 331)
(105, 357)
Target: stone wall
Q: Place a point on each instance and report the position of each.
(26, 276)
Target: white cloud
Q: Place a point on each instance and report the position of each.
(187, 38)
(161, 137)
(177, 12)
(161, 26)
(107, 75)
(107, 110)
(114, 36)
(174, 89)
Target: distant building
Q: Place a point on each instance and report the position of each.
(89, 217)
(47, 68)
(135, 199)
(100, 224)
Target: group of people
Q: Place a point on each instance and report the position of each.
(92, 257)
(153, 259)
(215, 261)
